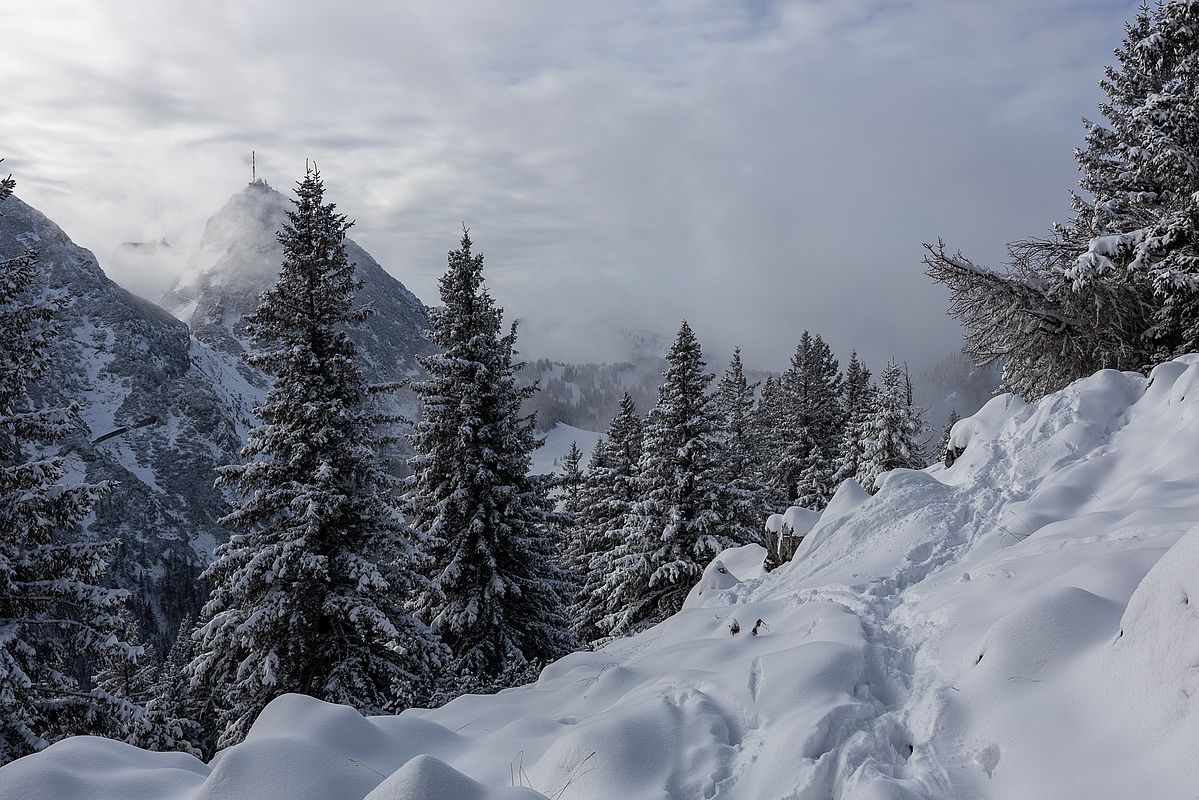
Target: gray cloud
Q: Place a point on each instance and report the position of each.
(759, 168)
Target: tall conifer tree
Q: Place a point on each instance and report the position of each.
(815, 483)
(747, 499)
(892, 432)
(857, 402)
(678, 524)
(174, 710)
(569, 485)
(812, 419)
(610, 489)
(309, 593)
(570, 482)
(770, 430)
(496, 594)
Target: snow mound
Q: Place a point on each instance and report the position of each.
(1159, 636)
(427, 778)
(1022, 624)
(747, 561)
(87, 767)
(1035, 638)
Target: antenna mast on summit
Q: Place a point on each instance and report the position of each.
(253, 168)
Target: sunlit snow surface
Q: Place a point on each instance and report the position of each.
(1022, 625)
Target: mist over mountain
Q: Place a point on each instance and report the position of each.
(146, 268)
(238, 258)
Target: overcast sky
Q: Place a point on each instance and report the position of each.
(756, 167)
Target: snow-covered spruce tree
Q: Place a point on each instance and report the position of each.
(812, 415)
(497, 594)
(156, 726)
(173, 710)
(611, 487)
(309, 593)
(857, 401)
(571, 480)
(1117, 286)
(892, 431)
(569, 487)
(54, 615)
(813, 489)
(132, 679)
(748, 499)
(1142, 175)
(129, 678)
(678, 524)
(769, 416)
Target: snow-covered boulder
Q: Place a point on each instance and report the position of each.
(726, 571)
(785, 532)
(716, 578)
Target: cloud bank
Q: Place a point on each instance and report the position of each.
(757, 167)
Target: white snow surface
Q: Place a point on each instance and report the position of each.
(548, 459)
(1024, 624)
(730, 568)
(796, 519)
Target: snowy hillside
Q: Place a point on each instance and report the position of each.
(1021, 625)
(549, 458)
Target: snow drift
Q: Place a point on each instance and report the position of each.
(1024, 624)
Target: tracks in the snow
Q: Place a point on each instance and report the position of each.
(869, 741)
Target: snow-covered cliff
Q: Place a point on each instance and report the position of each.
(158, 411)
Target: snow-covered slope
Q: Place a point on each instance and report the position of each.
(1022, 625)
(550, 457)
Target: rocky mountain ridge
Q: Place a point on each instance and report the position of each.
(166, 398)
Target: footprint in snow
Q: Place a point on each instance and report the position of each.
(755, 678)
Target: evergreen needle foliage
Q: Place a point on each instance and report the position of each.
(1118, 285)
(610, 488)
(496, 593)
(310, 592)
(678, 523)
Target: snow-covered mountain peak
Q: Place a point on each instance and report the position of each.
(238, 257)
(24, 227)
(158, 412)
(238, 244)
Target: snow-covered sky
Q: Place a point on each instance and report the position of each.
(757, 167)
